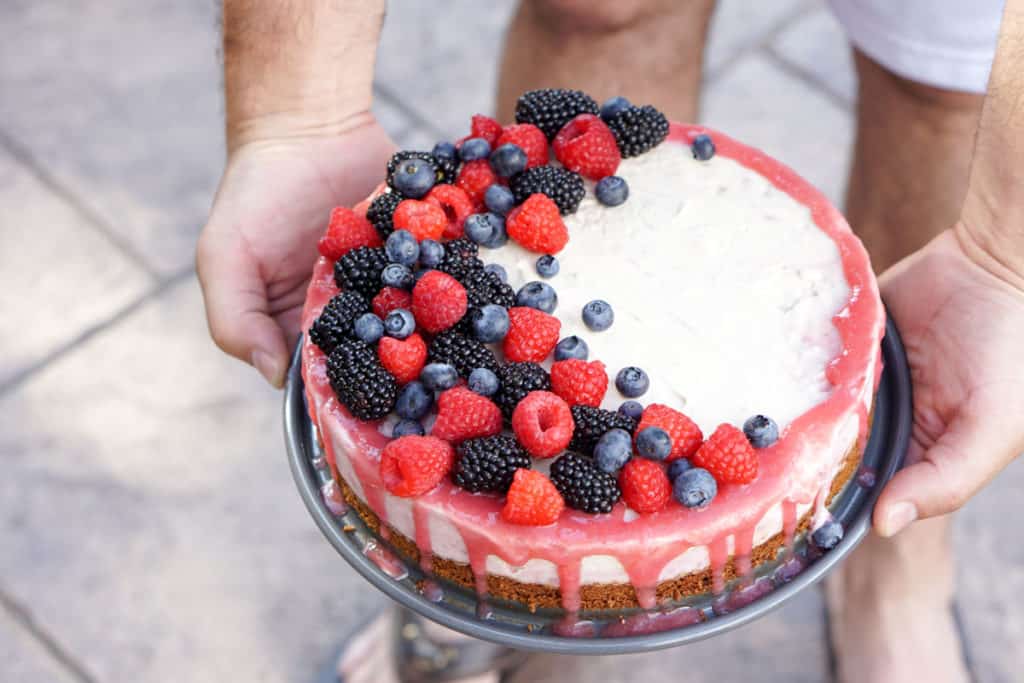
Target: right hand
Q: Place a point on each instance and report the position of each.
(257, 250)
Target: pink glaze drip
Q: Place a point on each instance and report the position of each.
(571, 626)
(432, 590)
(790, 474)
(789, 523)
(421, 520)
(653, 622)
(744, 548)
(331, 493)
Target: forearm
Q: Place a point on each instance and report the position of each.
(297, 67)
(992, 226)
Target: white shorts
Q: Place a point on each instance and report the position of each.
(943, 43)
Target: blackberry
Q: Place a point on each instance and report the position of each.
(552, 108)
(461, 352)
(381, 211)
(359, 380)
(516, 381)
(638, 129)
(488, 464)
(564, 187)
(336, 321)
(584, 486)
(483, 287)
(592, 423)
(460, 258)
(446, 168)
(359, 270)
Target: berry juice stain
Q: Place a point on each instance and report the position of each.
(653, 622)
(331, 494)
(385, 561)
(571, 626)
(742, 597)
(484, 611)
(432, 590)
(866, 477)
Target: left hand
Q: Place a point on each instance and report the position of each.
(963, 329)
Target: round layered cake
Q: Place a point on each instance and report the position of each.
(568, 390)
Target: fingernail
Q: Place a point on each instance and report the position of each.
(268, 367)
(899, 518)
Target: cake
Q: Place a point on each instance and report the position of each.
(705, 300)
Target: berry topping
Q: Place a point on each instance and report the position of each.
(684, 432)
(359, 380)
(431, 251)
(390, 299)
(552, 108)
(539, 295)
(444, 168)
(543, 424)
(728, 456)
(614, 105)
(653, 443)
(413, 465)
(593, 423)
(368, 328)
(532, 334)
(613, 450)
(456, 205)
(485, 127)
(460, 258)
(425, 220)
(579, 382)
(461, 352)
(438, 301)
(582, 485)
(463, 414)
(516, 381)
(586, 145)
(611, 191)
(761, 431)
(488, 464)
(645, 488)
(499, 199)
(632, 382)
(547, 265)
(483, 381)
(407, 428)
(498, 270)
(638, 129)
(694, 488)
(399, 323)
(445, 151)
(532, 500)
(489, 322)
(401, 247)
(677, 467)
(633, 409)
(474, 178)
(403, 358)
(439, 376)
(346, 231)
(396, 275)
(336, 320)
(414, 401)
(381, 210)
(359, 270)
(703, 147)
(484, 287)
(413, 177)
(486, 229)
(598, 315)
(572, 347)
(474, 148)
(564, 187)
(537, 225)
(508, 160)
(528, 138)
(828, 535)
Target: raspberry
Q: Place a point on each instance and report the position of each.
(532, 334)
(587, 146)
(579, 382)
(475, 177)
(335, 321)
(638, 129)
(359, 380)
(413, 465)
(425, 220)
(537, 225)
(543, 424)
(488, 464)
(403, 358)
(564, 187)
(530, 139)
(463, 414)
(346, 231)
(438, 301)
(456, 206)
(645, 486)
(593, 423)
(485, 127)
(380, 211)
(552, 108)
(389, 299)
(516, 380)
(359, 270)
(728, 456)
(684, 432)
(532, 500)
(584, 486)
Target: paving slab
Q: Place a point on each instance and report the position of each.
(739, 26)
(23, 659)
(817, 45)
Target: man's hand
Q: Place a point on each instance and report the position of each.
(256, 253)
(962, 326)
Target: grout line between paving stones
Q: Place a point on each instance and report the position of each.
(802, 74)
(24, 157)
(65, 659)
(26, 373)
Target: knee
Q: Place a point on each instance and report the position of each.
(597, 16)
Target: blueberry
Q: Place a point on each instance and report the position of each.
(508, 160)
(407, 428)
(613, 106)
(598, 315)
(474, 148)
(547, 266)
(499, 199)
(703, 147)
(399, 324)
(539, 295)
(632, 382)
(613, 449)
(572, 347)
(419, 274)
(483, 382)
(828, 535)
(632, 409)
(653, 443)
(414, 177)
(611, 190)
(695, 488)
(414, 401)
(677, 467)
(369, 328)
(490, 323)
(397, 275)
(439, 376)
(445, 150)
(761, 431)
(431, 253)
(486, 229)
(498, 269)
(401, 247)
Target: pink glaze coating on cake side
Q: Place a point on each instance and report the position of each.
(793, 477)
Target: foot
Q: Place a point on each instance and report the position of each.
(890, 610)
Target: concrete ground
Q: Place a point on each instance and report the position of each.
(149, 527)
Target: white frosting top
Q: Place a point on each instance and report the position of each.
(723, 288)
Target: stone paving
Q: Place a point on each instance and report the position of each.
(149, 528)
